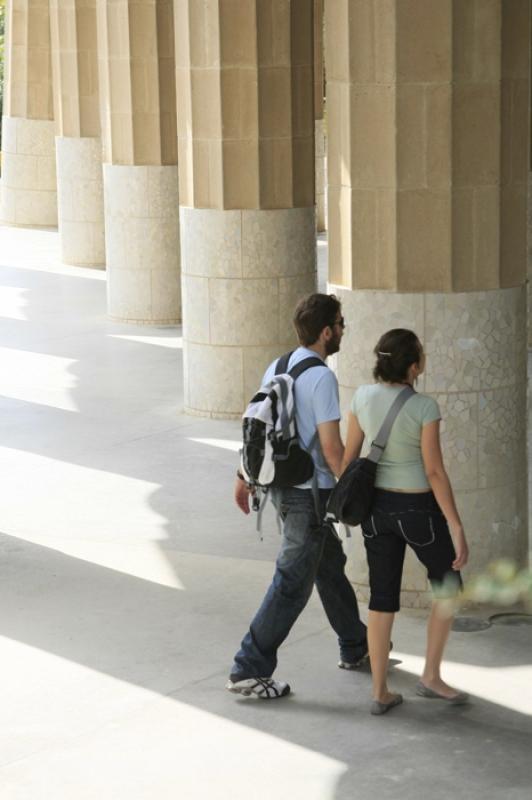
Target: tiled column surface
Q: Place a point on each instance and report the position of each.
(78, 145)
(142, 244)
(246, 156)
(243, 273)
(476, 370)
(27, 187)
(321, 176)
(139, 129)
(80, 200)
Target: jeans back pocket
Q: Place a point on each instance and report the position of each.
(416, 527)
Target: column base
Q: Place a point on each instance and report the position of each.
(80, 201)
(28, 196)
(476, 370)
(243, 273)
(142, 244)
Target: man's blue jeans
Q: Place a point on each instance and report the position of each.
(310, 554)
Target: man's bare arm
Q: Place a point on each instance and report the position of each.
(355, 440)
(332, 446)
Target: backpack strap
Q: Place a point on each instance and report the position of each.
(307, 363)
(282, 364)
(301, 367)
(379, 443)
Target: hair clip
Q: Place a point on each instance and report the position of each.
(380, 353)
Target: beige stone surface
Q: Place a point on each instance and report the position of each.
(428, 100)
(277, 243)
(319, 66)
(214, 380)
(211, 242)
(241, 311)
(28, 182)
(137, 82)
(528, 323)
(321, 175)
(142, 243)
(245, 93)
(80, 200)
(75, 67)
(28, 84)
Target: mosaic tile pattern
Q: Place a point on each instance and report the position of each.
(502, 432)
(368, 315)
(459, 437)
(495, 521)
(471, 340)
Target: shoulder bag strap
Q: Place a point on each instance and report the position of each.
(379, 443)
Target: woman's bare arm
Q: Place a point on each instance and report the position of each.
(441, 486)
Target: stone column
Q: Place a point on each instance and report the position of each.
(28, 186)
(428, 133)
(320, 127)
(78, 142)
(246, 156)
(139, 129)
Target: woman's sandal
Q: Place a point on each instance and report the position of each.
(378, 708)
(457, 699)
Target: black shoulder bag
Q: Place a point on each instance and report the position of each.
(351, 499)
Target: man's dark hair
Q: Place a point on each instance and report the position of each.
(313, 313)
(396, 351)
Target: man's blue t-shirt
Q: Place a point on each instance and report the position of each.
(317, 401)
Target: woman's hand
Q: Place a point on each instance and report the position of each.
(461, 549)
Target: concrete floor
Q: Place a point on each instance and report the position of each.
(128, 578)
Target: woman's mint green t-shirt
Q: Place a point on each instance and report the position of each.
(401, 464)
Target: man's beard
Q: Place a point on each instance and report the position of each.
(333, 345)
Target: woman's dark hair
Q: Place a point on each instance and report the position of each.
(313, 313)
(396, 351)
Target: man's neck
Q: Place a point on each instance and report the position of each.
(318, 348)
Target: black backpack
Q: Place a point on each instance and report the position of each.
(351, 499)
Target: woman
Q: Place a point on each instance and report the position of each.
(413, 505)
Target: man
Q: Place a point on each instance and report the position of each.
(311, 552)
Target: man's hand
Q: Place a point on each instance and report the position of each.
(241, 495)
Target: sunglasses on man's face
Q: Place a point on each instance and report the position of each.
(340, 322)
